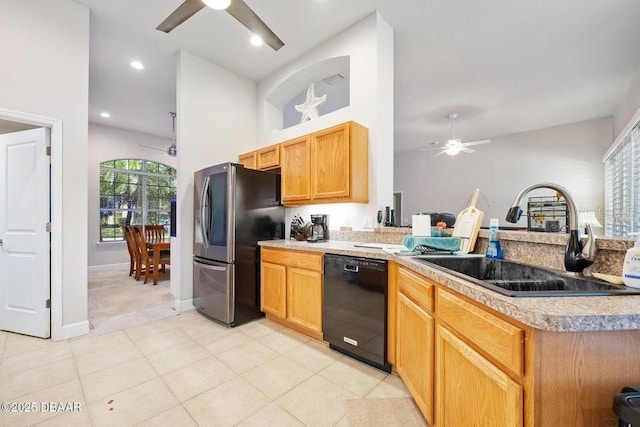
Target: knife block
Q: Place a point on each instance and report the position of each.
(297, 233)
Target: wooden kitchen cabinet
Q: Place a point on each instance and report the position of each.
(415, 338)
(479, 365)
(296, 170)
(331, 165)
(268, 158)
(414, 355)
(291, 289)
(274, 289)
(248, 160)
(470, 389)
(304, 298)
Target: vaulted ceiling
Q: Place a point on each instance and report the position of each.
(505, 66)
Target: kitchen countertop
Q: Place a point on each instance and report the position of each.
(560, 314)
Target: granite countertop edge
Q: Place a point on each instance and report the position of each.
(557, 314)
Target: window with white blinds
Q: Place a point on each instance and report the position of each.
(622, 186)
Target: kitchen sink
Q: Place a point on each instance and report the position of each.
(521, 280)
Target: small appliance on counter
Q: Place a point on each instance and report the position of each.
(319, 228)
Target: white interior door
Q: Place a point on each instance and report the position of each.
(24, 245)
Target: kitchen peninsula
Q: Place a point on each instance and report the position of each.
(468, 353)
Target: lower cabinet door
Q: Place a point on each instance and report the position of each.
(471, 391)
(414, 353)
(304, 298)
(273, 292)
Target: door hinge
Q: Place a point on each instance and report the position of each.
(49, 151)
(48, 227)
(48, 303)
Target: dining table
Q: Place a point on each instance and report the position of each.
(157, 246)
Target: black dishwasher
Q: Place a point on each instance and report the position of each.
(354, 314)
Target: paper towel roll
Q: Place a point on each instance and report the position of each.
(421, 225)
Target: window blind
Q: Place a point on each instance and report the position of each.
(622, 186)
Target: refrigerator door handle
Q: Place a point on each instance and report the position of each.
(203, 211)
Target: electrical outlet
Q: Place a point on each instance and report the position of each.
(367, 221)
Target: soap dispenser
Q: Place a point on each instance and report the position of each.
(493, 247)
(631, 265)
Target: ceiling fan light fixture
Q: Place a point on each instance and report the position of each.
(217, 4)
(452, 150)
(256, 40)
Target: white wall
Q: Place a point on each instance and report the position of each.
(216, 121)
(568, 155)
(110, 143)
(369, 44)
(627, 107)
(45, 71)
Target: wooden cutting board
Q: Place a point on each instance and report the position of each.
(468, 224)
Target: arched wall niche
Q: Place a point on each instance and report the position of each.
(279, 104)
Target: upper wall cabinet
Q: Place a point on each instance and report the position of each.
(327, 166)
(296, 170)
(266, 158)
(248, 160)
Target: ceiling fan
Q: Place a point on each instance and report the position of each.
(455, 145)
(236, 8)
(172, 150)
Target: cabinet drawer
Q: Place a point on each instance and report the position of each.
(499, 339)
(300, 259)
(417, 288)
(269, 157)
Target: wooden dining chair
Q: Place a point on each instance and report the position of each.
(131, 248)
(154, 232)
(146, 259)
(134, 230)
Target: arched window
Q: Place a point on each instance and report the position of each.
(134, 191)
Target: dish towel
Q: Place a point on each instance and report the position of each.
(439, 243)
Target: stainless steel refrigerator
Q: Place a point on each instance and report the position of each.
(234, 208)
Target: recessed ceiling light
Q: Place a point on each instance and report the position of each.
(256, 40)
(217, 4)
(137, 65)
(105, 115)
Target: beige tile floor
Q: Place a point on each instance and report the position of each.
(116, 300)
(185, 370)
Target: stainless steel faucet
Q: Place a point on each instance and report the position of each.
(576, 257)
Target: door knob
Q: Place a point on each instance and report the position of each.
(0, 242)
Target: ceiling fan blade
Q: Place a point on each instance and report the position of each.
(467, 150)
(483, 141)
(247, 17)
(440, 153)
(432, 146)
(185, 11)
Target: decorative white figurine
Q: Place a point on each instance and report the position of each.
(309, 108)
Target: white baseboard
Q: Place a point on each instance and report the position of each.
(75, 330)
(108, 267)
(185, 305)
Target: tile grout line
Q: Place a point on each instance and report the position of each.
(84, 397)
